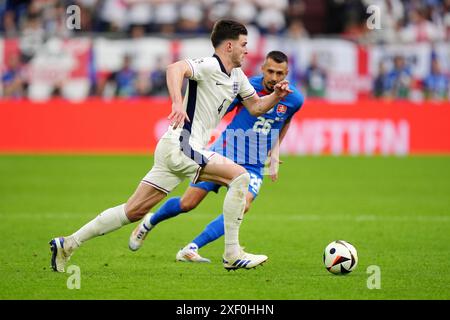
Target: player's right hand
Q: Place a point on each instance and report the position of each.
(178, 116)
(282, 89)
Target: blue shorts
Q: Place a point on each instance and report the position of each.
(256, 180)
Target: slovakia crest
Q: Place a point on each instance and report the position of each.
(281, 110)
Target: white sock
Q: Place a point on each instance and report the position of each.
(109, 220)
(233, 213)
(147, 225)
(192, 246)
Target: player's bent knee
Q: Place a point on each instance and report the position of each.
(241, 181)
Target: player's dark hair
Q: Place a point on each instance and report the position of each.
(277, 56)
(226, 30)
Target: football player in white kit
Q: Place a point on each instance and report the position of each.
(214, 82)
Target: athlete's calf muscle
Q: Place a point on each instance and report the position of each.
(249, 199)
(192, 198)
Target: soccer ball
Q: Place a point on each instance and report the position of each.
(340, 257)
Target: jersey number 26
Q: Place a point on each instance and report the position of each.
(263, 125)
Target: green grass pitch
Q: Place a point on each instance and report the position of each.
(396, 211)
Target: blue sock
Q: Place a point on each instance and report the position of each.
(213, 231)
(171, 208)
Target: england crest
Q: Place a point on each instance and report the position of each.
(235, 88)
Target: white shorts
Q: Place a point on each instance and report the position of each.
(172, 165)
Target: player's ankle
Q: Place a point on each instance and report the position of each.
(147, 224)
(71, 243)
(232, 250)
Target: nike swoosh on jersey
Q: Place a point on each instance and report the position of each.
(219, 84)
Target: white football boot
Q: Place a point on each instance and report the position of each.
(244, 260)
(190, 254)
(139, 234)
(60, 255)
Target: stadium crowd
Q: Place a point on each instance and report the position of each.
(401, 21)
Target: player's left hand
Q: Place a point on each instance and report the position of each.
(282, 89)
(273, 168)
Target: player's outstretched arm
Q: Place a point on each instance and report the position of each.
(259, 105)
(176, 72)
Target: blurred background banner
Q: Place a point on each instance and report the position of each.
(369, 128)
(334, 69)
(59, 67)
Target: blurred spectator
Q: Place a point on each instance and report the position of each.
(399, 79)
(354, 22)
(381, 82)
(15, 11)
(391, 20)
(137, 31)
(315, 79)
(88, 10)
(54, 15)
(436, 84)
(158, 85)
(354, 30)
(272, 19)
(216, 10)
(336, 13)
(113, 16)
(13, 79)
(296, 30)
(32, 37)
(191, 17)
(166, 16)
(139, 14)
(446, 18)
(420, 29)
(244, 11)
(124, 80)
(296, 10)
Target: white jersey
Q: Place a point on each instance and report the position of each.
(209, 93)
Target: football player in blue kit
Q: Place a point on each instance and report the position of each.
(248, 140)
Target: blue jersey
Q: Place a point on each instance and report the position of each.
(248, 139)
